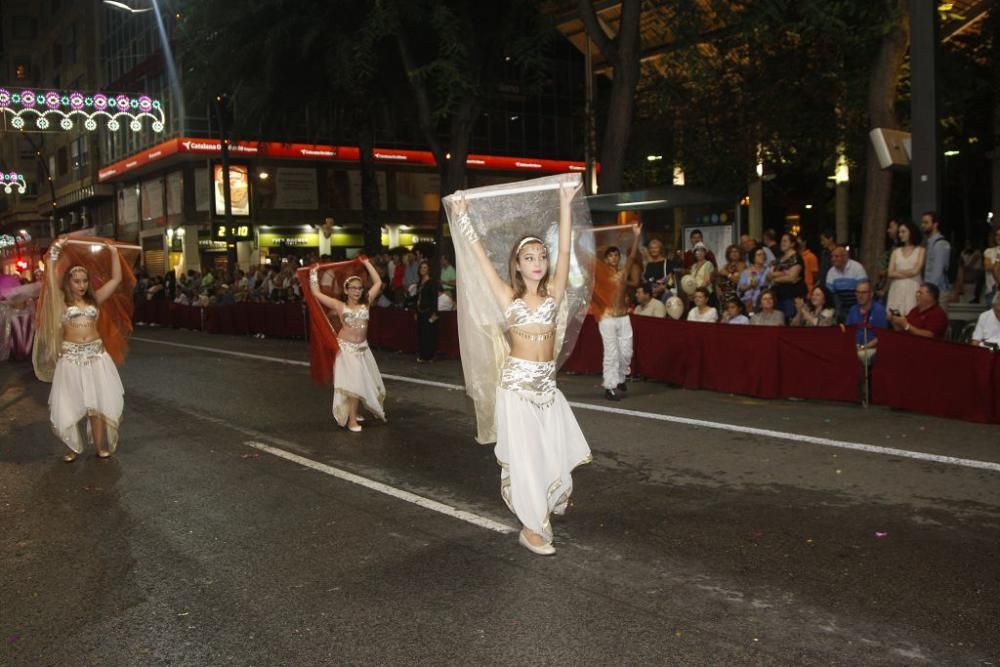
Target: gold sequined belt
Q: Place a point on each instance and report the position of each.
(356, 348)
(534, 381)
(82, 354)
(528, 335)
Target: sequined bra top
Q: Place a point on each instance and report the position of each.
(355, 319)
(73, 312)
(519, 315)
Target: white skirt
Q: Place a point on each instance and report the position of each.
(356, 375)
(539, 443)
(85, 383)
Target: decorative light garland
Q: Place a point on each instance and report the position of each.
(67, 106)
(7, 240)
(12, 180)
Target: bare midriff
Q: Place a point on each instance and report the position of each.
(532, 350)
(618, 307)
(80, 329)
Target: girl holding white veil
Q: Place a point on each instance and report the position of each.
(538, 441)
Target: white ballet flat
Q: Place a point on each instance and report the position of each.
(354, 429)
(359, 419)
(544, 550)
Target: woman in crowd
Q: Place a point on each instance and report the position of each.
(356, 378)
(702, 269)
(970, 273)
(80, 329)
(753, 280)
(817, 312)
(786, 276)
(427, 313)
(727, 280)
(701, 311)
(906, 270)
(882, 277)
(768, 315)
(539, 442)
(991, 264)
(733, 313)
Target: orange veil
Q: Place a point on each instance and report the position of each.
(605, 288)
(115, 320)
(323, 325)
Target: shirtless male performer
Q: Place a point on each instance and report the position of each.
(611, 282)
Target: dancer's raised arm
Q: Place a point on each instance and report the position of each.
(328, 301)
(561, 276)
(108, 288)
(376, 288)
(501, 289)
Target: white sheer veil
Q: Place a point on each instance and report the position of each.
(501, 215)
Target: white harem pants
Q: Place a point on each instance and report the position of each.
(616, 333)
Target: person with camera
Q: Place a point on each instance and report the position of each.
(987, 331)
(927, 319)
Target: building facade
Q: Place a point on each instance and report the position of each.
(161, 187)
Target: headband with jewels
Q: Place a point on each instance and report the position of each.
(348, 281)
(526, 240)
(78, 267)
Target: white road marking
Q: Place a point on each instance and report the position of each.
(399, 494)
(687, 421)
(426, 503)
(215, 350)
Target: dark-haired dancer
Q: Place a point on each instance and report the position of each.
(356, 378)
(611, 311)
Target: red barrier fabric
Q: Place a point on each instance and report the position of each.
(394, 329)
(768, 362)
(928, 376)
(937, 377)
(185, 317)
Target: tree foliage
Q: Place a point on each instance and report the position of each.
(294, 70)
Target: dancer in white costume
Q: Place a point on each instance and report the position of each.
(356, 378)
(85, 382)
(539, 442)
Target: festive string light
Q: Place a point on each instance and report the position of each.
(66, 108)
(8, 240)
(11, 180)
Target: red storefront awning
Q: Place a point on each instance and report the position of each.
(324, 153)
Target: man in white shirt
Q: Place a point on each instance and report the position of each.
(842, 280)
(647, 305)
(988, 325)
(324, 233)
(445, 302)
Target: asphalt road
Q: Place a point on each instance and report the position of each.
(697, 543)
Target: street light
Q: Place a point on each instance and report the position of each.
(125, 8)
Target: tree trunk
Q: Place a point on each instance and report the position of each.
(623, 53)
(371, 229)
(993, 26)
(882, 113)
(616, 133)
(452, 169)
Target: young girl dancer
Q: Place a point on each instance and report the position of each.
(539, 442)
(78, 328)
(356, 378)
